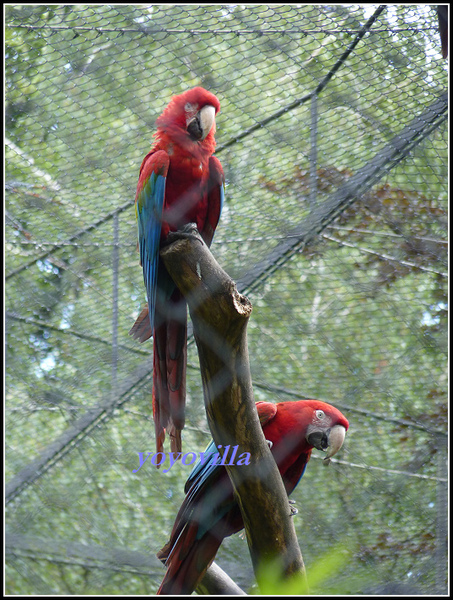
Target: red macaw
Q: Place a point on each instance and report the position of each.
(209, 512)
(180, 182)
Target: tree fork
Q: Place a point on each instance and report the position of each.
(220, 316)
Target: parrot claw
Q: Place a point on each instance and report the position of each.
(292, 508)
(269, 443)
(189, 231)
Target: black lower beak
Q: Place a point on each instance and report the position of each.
(318, 439)
(194, 129)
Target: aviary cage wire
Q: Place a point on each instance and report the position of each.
(333, 137)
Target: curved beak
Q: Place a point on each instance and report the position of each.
(330, 440)
(202, 123)
(336, 439)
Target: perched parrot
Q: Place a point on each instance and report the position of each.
(209, 512)
(180, 182)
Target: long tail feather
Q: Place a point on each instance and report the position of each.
(169, 377)
(187, 562)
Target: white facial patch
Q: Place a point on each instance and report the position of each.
(191, 111)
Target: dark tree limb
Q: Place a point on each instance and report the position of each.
(220, 316)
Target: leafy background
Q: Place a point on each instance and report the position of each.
(358, 317)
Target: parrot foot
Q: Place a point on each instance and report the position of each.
(292, 508)
(269, 443)
(189, 231)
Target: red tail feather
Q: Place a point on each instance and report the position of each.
(188, 564)
(169, 378)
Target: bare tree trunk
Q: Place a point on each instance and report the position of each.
(220, 316)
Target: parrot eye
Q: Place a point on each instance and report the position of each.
(320, 414)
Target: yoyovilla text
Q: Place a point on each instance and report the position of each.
(209, 457)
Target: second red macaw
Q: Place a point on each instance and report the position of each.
(209, 512)
(180, 182)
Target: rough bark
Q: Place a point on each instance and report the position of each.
(220, 316)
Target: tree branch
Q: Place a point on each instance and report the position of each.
(220, 316)
(217, 583)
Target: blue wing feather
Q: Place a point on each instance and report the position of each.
(222, 197)
(149, 207)
(203, 468)
(204, 482)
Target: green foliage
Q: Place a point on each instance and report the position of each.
(358, 318)
(319, 580)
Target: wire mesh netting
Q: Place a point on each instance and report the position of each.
(333, 138)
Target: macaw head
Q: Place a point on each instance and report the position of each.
(297, 427)
(326, 428)
(189, 118)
